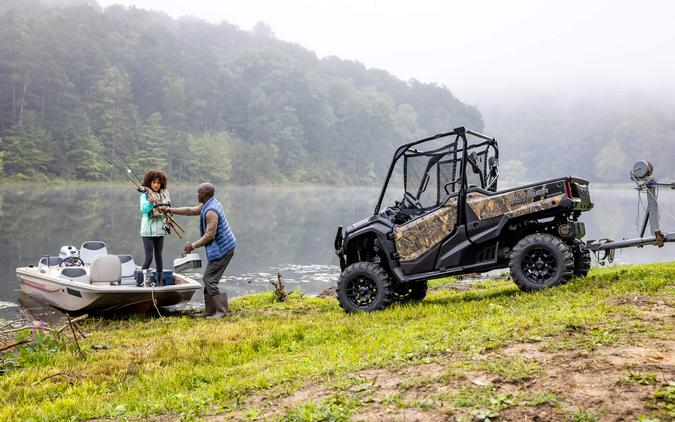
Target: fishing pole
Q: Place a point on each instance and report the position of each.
(129, 169)
(124, 172)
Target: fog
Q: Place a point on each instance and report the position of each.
(593, 79)
(479, 50)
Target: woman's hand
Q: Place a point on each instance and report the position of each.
(152, 200)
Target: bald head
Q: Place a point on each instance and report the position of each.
(205, 191)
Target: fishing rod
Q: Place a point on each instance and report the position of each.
(129, 169)
(169, 222)
(125, 172)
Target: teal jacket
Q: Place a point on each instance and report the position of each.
(152, 227)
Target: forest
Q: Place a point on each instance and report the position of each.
(202, 101)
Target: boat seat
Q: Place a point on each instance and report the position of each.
(105, 269)
(90, 249)
(78, 274)
(128, 269)
(52, 261)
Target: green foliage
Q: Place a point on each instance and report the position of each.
(200, 101)
(665, 398)
(27, 151)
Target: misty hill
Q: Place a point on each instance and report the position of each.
(203, 101)
(597, 134)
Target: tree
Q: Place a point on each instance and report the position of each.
(114, 113)
(153, 145)
(610, 162)
(81, 149)
(27, 152)
(211, 157)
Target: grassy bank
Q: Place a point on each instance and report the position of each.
(594, 349)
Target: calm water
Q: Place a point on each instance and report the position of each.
(287, 230)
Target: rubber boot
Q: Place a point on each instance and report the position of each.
(222, 308)
(210, 308)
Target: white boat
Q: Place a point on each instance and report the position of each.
(92, 280)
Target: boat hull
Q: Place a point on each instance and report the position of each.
(76, 296)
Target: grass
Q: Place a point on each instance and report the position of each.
(187, 368)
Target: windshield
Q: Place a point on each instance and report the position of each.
(432, 170)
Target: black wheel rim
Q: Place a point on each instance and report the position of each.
(362, 291)
(539, 264)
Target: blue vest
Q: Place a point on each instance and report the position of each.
(224, 241)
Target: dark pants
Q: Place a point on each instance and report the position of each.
(156, 244)
(214, 272)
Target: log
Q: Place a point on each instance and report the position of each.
(18, 343)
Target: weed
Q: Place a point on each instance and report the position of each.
(513, 369)
(665, 398)
(642, 379)
(582, 415)
(544, 399)
(335, 408)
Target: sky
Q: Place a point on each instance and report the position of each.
(479, 49)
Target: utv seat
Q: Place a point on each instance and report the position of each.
(90, 249)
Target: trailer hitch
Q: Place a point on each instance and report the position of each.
(641, 174)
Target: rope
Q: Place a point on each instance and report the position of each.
(154, 301)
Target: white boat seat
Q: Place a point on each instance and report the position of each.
(90, 249)
(78, 274)
(128, 269)
(52, 261)
(105, 269)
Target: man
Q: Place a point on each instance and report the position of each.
(219, 242)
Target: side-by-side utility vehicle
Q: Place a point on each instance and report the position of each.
(449, 218)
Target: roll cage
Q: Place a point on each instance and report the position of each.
(433, 171)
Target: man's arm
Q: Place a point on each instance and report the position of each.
(210, 232)
(185, 210)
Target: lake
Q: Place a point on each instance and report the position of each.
(287, 230)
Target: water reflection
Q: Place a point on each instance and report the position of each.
(279, 230)
(287, 230)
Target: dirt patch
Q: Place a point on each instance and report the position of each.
(407, 415)
(651, 308)
(598, 382)
(463, 286)
(527, 351)
(593, 383)
(329, 292)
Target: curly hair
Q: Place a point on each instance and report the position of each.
(151, 175)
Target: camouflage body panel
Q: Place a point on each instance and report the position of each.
(512, 204)
(417, 237)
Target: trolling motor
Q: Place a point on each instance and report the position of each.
(642, 175)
